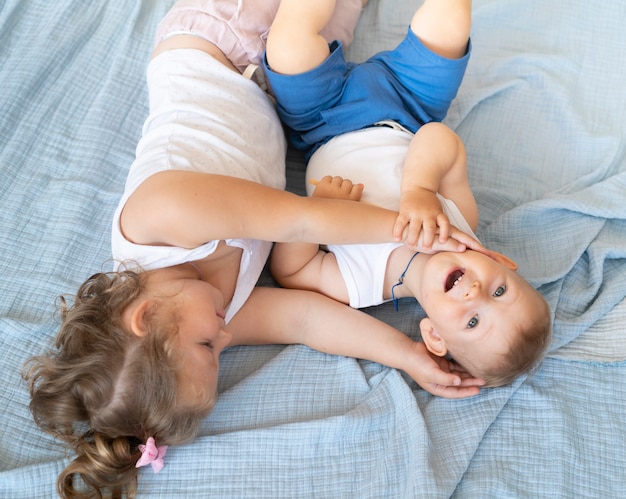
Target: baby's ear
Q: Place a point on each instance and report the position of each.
(434, 343)
(502, 259)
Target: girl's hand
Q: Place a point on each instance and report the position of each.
(458, 241)
(439, 376)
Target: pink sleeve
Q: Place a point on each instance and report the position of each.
(239, 27)
(343, 23)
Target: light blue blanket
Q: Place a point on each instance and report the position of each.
(542, 112)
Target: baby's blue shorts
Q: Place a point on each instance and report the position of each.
(410, 85)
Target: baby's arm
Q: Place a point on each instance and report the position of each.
(283, 316)
(307, 266)
(435, 163)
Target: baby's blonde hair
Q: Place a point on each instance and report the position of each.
(103, 390)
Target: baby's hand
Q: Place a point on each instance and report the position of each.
(441, 377)
(337, 188)
(421, 217)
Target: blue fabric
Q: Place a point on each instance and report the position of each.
(541, 111)
(410, 85)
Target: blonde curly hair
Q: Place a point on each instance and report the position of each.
(103, 391)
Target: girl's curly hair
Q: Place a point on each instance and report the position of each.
(103, 390)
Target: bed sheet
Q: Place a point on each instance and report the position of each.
(542, 112)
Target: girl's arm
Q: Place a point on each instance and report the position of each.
(283, 316)
(187, 209)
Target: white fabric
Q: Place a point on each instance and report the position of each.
(375, 157)
(204, 117)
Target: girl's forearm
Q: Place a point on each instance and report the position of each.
(288, 316)
(337, 329)
(284, 316)
(187, 209)
(333, 221)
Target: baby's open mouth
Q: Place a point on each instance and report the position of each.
(453, 279)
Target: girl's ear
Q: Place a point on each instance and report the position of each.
(502, 259)
(135, 317)
(434, 343)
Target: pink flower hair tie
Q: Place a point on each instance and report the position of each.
(151, 454)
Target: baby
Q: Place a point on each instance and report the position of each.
(377, 123)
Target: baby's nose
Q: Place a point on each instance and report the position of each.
(473, 290)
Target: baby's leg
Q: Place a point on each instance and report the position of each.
(294, 43)
(444, 26)
(288, 260)
(307, 266)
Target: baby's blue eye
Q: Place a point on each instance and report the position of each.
(500, 291)
(473, 322)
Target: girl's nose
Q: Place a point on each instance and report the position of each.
(223, 339)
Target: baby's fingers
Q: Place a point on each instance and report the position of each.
(444, 227)
(428, 229)
(399, 228)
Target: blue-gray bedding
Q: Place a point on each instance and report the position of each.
(542, 112)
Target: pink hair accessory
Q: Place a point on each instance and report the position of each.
(151, 454)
